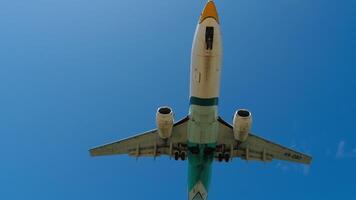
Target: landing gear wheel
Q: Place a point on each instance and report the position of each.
(176, 155)
(227, 157)
(220, 157)
(182, 155)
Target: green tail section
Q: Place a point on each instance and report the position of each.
(199, 174)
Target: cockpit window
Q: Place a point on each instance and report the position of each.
(209, 37)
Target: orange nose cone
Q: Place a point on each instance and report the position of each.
(209, 12)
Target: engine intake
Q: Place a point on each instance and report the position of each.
(242, 124)
(164, 122)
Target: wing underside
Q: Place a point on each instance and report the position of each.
(256, 148)
(147, 144)
(150, 144)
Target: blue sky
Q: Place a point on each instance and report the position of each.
(76, 74)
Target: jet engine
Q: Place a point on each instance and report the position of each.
(164, 122)
(242, 124)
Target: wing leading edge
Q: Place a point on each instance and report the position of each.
(147, 144)
(256, 148)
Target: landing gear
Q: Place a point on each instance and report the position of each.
(220, 157)
(176, 155)
(227, 157)
(222, 153)
(180, 155)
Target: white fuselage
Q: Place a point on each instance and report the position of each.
(203, 126)
(206, 62)
(205, 82)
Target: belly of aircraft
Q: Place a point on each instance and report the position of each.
(203, 126)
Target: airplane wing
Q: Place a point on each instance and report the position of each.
(148, 143)
(255, 147)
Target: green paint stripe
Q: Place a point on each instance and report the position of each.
(204, 101)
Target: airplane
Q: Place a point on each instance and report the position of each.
(203, 136)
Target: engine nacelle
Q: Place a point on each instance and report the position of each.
(164, 122)
(242, 124)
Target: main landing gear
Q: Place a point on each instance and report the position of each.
(222, 157)
(180, 155)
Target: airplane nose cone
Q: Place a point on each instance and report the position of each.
(209, 12)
